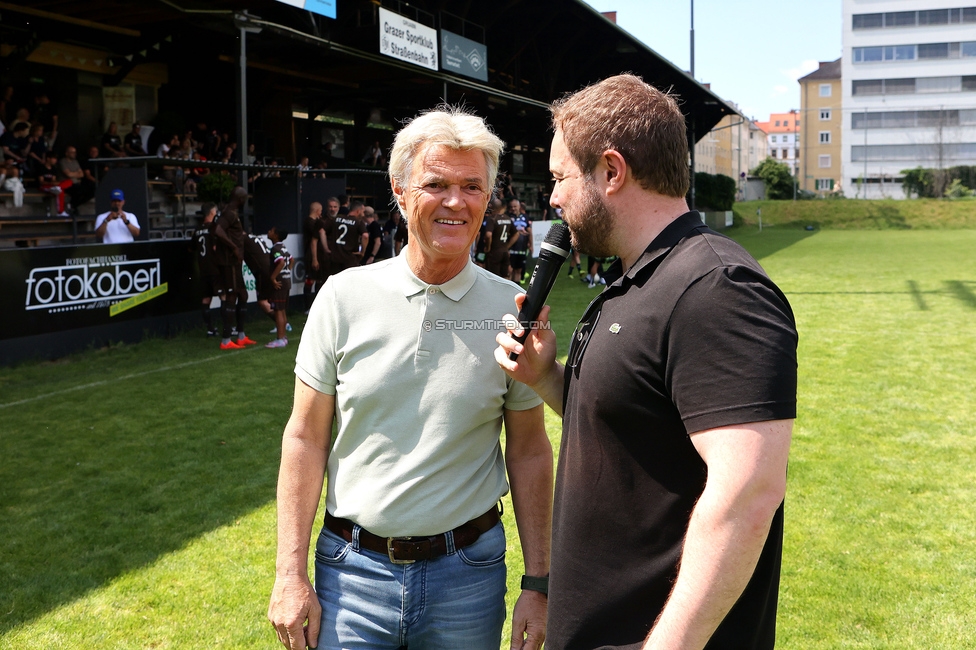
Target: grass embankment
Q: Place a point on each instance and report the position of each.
(850, 214)
(137, 482)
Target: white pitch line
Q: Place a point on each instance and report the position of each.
(109, 381)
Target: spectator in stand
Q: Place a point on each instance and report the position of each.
(117, 226)
(371, 251)
(5, 104)
(81, 189)
(46, 114)
(164, 148)
(10, 182)
(272, 173)
(252, 156)
(507, 189)
(92, 170)
(374, 155)
(233, 155)
(203, 245)
(304, 166)
(281, 263)
(198, 136)
(133, 142)
(112, 143)
(37, 148)
(50, 182)
(14, 143)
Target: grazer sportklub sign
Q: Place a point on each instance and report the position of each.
(50, 290)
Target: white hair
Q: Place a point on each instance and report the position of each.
(448, 126)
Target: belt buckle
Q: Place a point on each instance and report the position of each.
(390, 550)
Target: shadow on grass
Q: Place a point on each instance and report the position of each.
(772, 239)
(103, 481)
(917, 296)
(962, 293)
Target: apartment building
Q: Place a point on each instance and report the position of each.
(821, 129)
(733, 147)
(909, 90)
(783, 137)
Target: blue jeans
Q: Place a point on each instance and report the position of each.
(453, 601)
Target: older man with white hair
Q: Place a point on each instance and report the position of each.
(399, 354)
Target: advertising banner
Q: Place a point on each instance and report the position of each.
(404, 39)
(461, 55)
(46, 290)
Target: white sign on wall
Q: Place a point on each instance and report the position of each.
(404, 39)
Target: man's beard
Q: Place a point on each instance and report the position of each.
(591, 223)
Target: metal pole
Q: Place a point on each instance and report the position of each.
(242, 105)
(795, 150)
(692, 39)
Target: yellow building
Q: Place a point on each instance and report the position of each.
(820, 134)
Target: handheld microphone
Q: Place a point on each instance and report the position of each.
(555, 250)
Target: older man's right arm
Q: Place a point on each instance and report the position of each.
(304, 454)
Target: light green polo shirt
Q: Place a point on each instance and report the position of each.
(419, 396)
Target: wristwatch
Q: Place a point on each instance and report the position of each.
(533, 583)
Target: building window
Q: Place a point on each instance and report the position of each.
(953, 16)
(825, 90)
(868, 21)
(825, 184)
(772, 153)
(938, 85)
(954, 151)
(777, 122)
(824, 114)
(823, 161)
(825, 137)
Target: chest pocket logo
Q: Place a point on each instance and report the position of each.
(615, 328)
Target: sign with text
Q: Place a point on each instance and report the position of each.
(463, 56)
(404, 39)
(325, 8)
(45, 290)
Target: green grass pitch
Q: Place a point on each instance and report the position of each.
(137, 481)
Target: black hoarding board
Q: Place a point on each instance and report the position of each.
(108, 292)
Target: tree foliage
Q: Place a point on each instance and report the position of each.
(935, 183)
(714, 192)
(216, 188)
(777, 178)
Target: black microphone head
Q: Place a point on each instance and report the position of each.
(558, 237)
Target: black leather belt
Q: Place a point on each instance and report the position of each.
(407, 550)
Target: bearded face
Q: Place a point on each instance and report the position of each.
(590, 221)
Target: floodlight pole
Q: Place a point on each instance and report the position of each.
(242, 101)
(796, 150)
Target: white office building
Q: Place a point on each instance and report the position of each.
(909, 91)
